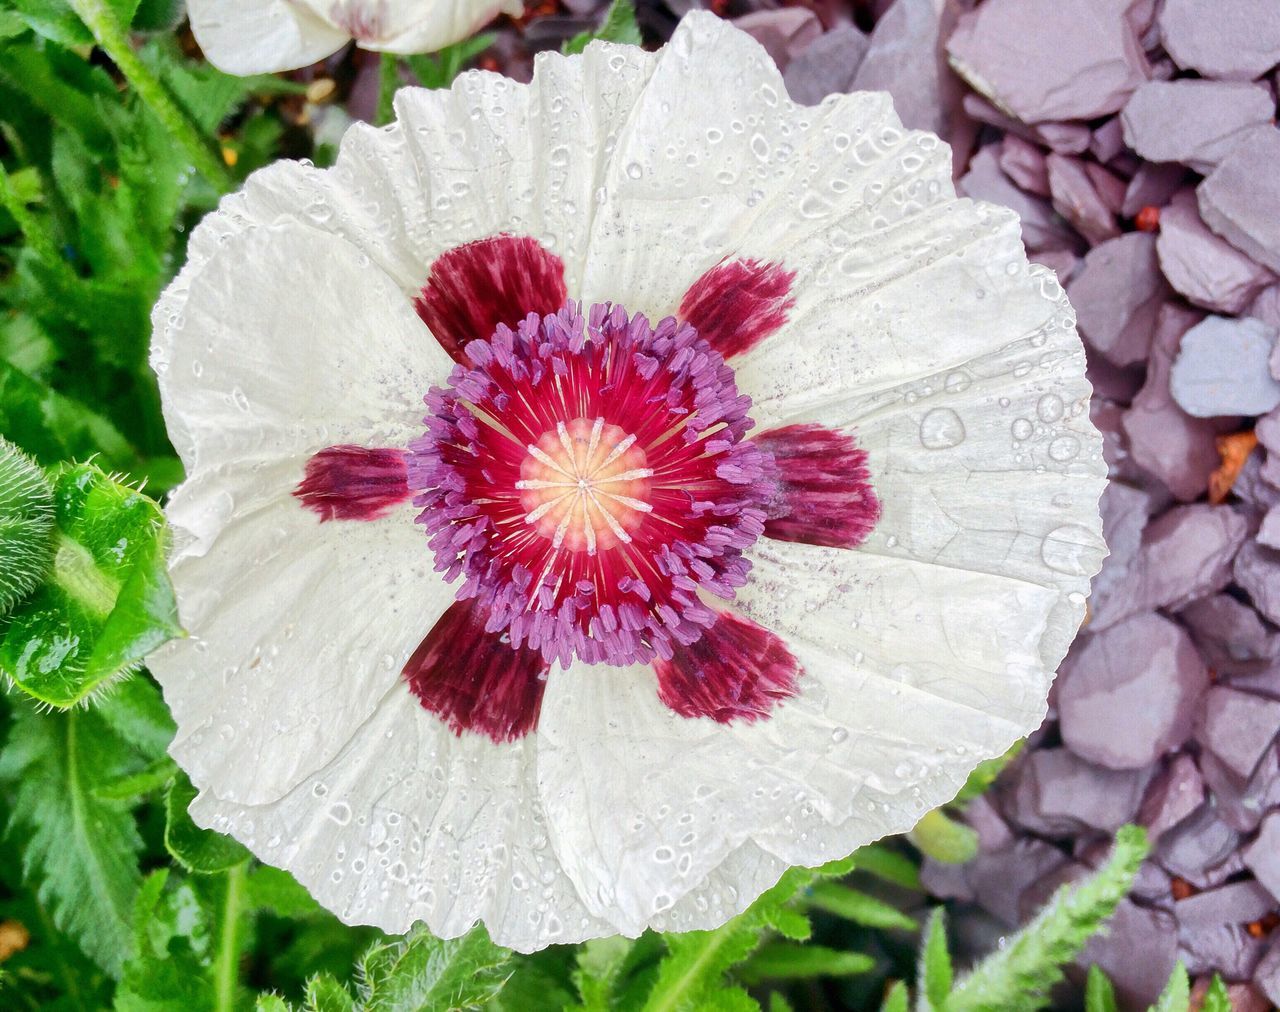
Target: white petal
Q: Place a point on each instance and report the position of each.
(284, 341)
(261, 36)
(718, 161)
(297, 628)
(990, 465)
(411, 823)
(423, 26)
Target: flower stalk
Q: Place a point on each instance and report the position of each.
(113, 38)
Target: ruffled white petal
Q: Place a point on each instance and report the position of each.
(917, 325)
(264, 36)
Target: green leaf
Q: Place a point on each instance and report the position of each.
(1099, 995)
(146, 781)
(599, 964)
(422, 971)
(198, 850)
(79, 850)
(619, 25)
(935, 961)
(985, 773)
(778, 1003)
(782, 960)
(858, 907)
(1216, 999)
(271, 1003)
(439, 71)
(897, 999)
(697, 961)
(890, 865)
(26, 526)
(324, 994)
(1017, 976)
(108, 602)
(1176, 996)
(137, 713)
(53, 428)
(276, 891)
(944, 839)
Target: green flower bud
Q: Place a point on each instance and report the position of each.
(26, 526)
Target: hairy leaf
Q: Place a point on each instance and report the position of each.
(935, 961)
(1176, 996)
(108, 602)
(1216, 998)
(789, 960)
(858, 907)
(945, 839)
(1099, 995)
(422, 971)
(79, 850)
(1017, 976)
(890, 865)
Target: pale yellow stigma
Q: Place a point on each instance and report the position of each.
(585, 485)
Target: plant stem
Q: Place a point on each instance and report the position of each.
(226, 967)
(113, 37)
(33, 230)
(388, 81)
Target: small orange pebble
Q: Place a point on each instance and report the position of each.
(1148, 219)
(14, 937)
(1234, 449)
(1181, 888)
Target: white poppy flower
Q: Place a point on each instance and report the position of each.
(263, 36)
(755, 501)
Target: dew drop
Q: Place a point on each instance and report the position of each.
(941, 429)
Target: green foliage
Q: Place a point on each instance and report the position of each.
(944, 839)
(198, 850)
(80, 851)
(1216, 998)
(1176, 996)
(619, 25)
(934, 974)
(1019, 974)
(26, 526)
(440, 69)
(422, 971)
(107, 602)
(1099, 995)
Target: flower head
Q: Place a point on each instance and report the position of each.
(263, 36)
(606, 492)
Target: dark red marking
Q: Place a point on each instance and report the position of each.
(473, 288)
(738, 303)
(475, 680)
(823, 494)
(353, 483)
(737, 670)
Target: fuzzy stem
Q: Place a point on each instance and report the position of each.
(226, 968)
(388, 81)
(113, 38)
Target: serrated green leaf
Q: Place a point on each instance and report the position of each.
(619, 25)
(276, 891)
(729, 999)
(108, 602)
(198, 850)
(897, 999)
(935, 961)
(271, 1003)
(890, 865)
(422, 971)
(136, 712)
(944, 839)
(1216, 998)
(1099, 995)
(784, 960)
(173, 941)
(858, 907)
(53, 428)
(324, 994)
(148, 780)
(598, 964)
(78, 850)
(1018, 975)
(1176, 996)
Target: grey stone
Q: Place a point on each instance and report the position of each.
(1221, 369)
(827, 65)
(1237, 40)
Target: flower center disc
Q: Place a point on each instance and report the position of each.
(585, 485)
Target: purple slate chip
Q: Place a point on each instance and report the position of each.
(1240, 200)
(1117, 294)
(1130, 693)
(1176, 792)
(827, 65)
(1050, 59)
(1076, 198)
(1237, 727)
(1205, 268)
(1221, 368)
(1257, 571)
(1200, 849)
(1262, 856)
(1194, 122)
(1137, 952)
(1235, 40)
